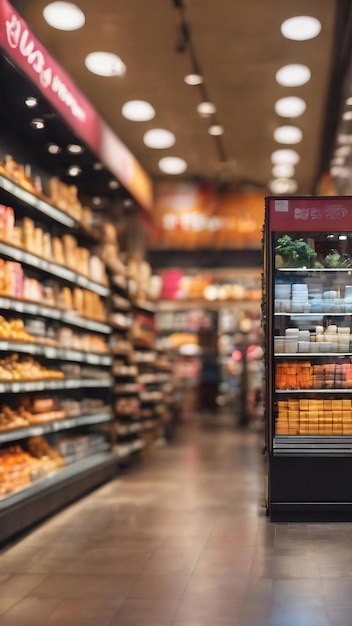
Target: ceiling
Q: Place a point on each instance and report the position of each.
(239, 47)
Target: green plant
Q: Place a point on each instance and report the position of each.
(295, 252)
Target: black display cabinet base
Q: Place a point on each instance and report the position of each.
(310, 489)
(40, 500)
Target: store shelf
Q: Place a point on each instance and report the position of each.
(60, 354)
(42, 206)
(21, 510)
(126, 390)
(127, 429)
(53, 269)
(306, 355)
(306, 445)
(320, 270)
(53, 385)
(307, 391)
(311, 314)
(53, 427)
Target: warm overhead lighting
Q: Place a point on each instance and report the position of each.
(193, 79)
(75, 148)
(105, 64)
(74, 170)
(343, 151)
(138, 111)
(128, 203)
(288, 134)
(215, 130)
(301, 28)
(37, 123)
(293, 75)
(98, 166)
(290, 106)
(347, 115)
(53, 148)
(285, 156)
(31, 102)
(113, 184)
(206, 108)
(283, 185)
(96, 201)
(64, 16)
(172, 165)
(283, 170)
(159, 138)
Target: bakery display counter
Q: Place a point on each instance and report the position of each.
(8, 435)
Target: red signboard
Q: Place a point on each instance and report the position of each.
(26, 51)
(309, 214)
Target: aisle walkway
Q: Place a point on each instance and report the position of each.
(181, 540)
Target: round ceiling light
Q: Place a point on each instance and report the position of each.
(290, 106)
(283, 185)
(193, 79)
(74, 170)
(301, 28)
(205, 109)
(290, 157)
(75, 148)
(31, 102)
(293, 75)
(96, 201)
(64, 16)
(288, 134)
(98, 166)
(113, 184)
(283, 170)
(138, 111)
(38, 123)
(159, 138)
(216, 130)
(105, 64)
(347, 115)
(53, 148)
(172, 165)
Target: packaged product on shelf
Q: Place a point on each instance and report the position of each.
(39, 448)
(13, 368)
(14, 330)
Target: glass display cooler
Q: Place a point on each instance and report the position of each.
(307, 318)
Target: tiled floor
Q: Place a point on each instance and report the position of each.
(180, 540)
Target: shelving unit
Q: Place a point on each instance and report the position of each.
(309, 360)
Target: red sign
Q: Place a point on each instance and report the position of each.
(22, 47)
(310, 214)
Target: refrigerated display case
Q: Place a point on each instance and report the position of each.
(307, 318)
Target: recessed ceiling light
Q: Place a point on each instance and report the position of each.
(290, 157)
(301, 28)
(347, 115)
(193, 79)
(75, 148)
(283, 185)
(53, 148)
(31, 102)
(215, 130)
(290, 106)
(128, 203)
(37, 123)
(293, 75)
(288, 134)
(206, 108)
(98, 166)
(105, 64)
(283, 170)
(138, 111)
(113, 184)
(74, 170)
(172, 165)
(159, 138)
(64, 16)
(96, 201)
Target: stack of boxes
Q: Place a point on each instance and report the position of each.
(314, 417)
(304, 375)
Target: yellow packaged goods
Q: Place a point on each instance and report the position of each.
(69, 248)
(58, 251)
(39, 242)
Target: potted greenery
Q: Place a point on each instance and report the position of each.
(294, 253)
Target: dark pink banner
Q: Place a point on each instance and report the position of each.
(310, 214)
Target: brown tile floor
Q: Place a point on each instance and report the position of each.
(180, 540)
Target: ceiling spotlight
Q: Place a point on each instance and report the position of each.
(216, 130)
(53, 148)
(205, 109)
(290, 106)
(31, 102)
(75, 148)
(283, 185)
(37, 123)
(342, 237)
(74, 170)
(283, 170)
(347, 115)
(172, 165)
(105, 64)
(96, 201)
(288, 134)
(193, 79)
(293, 75)
(159, 138)
(113, 184)
(98, 166)
(64, 16)
(128, 203)
(301, 28)
(290, 157)
(138, 111)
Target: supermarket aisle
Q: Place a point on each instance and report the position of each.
(180, 541)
